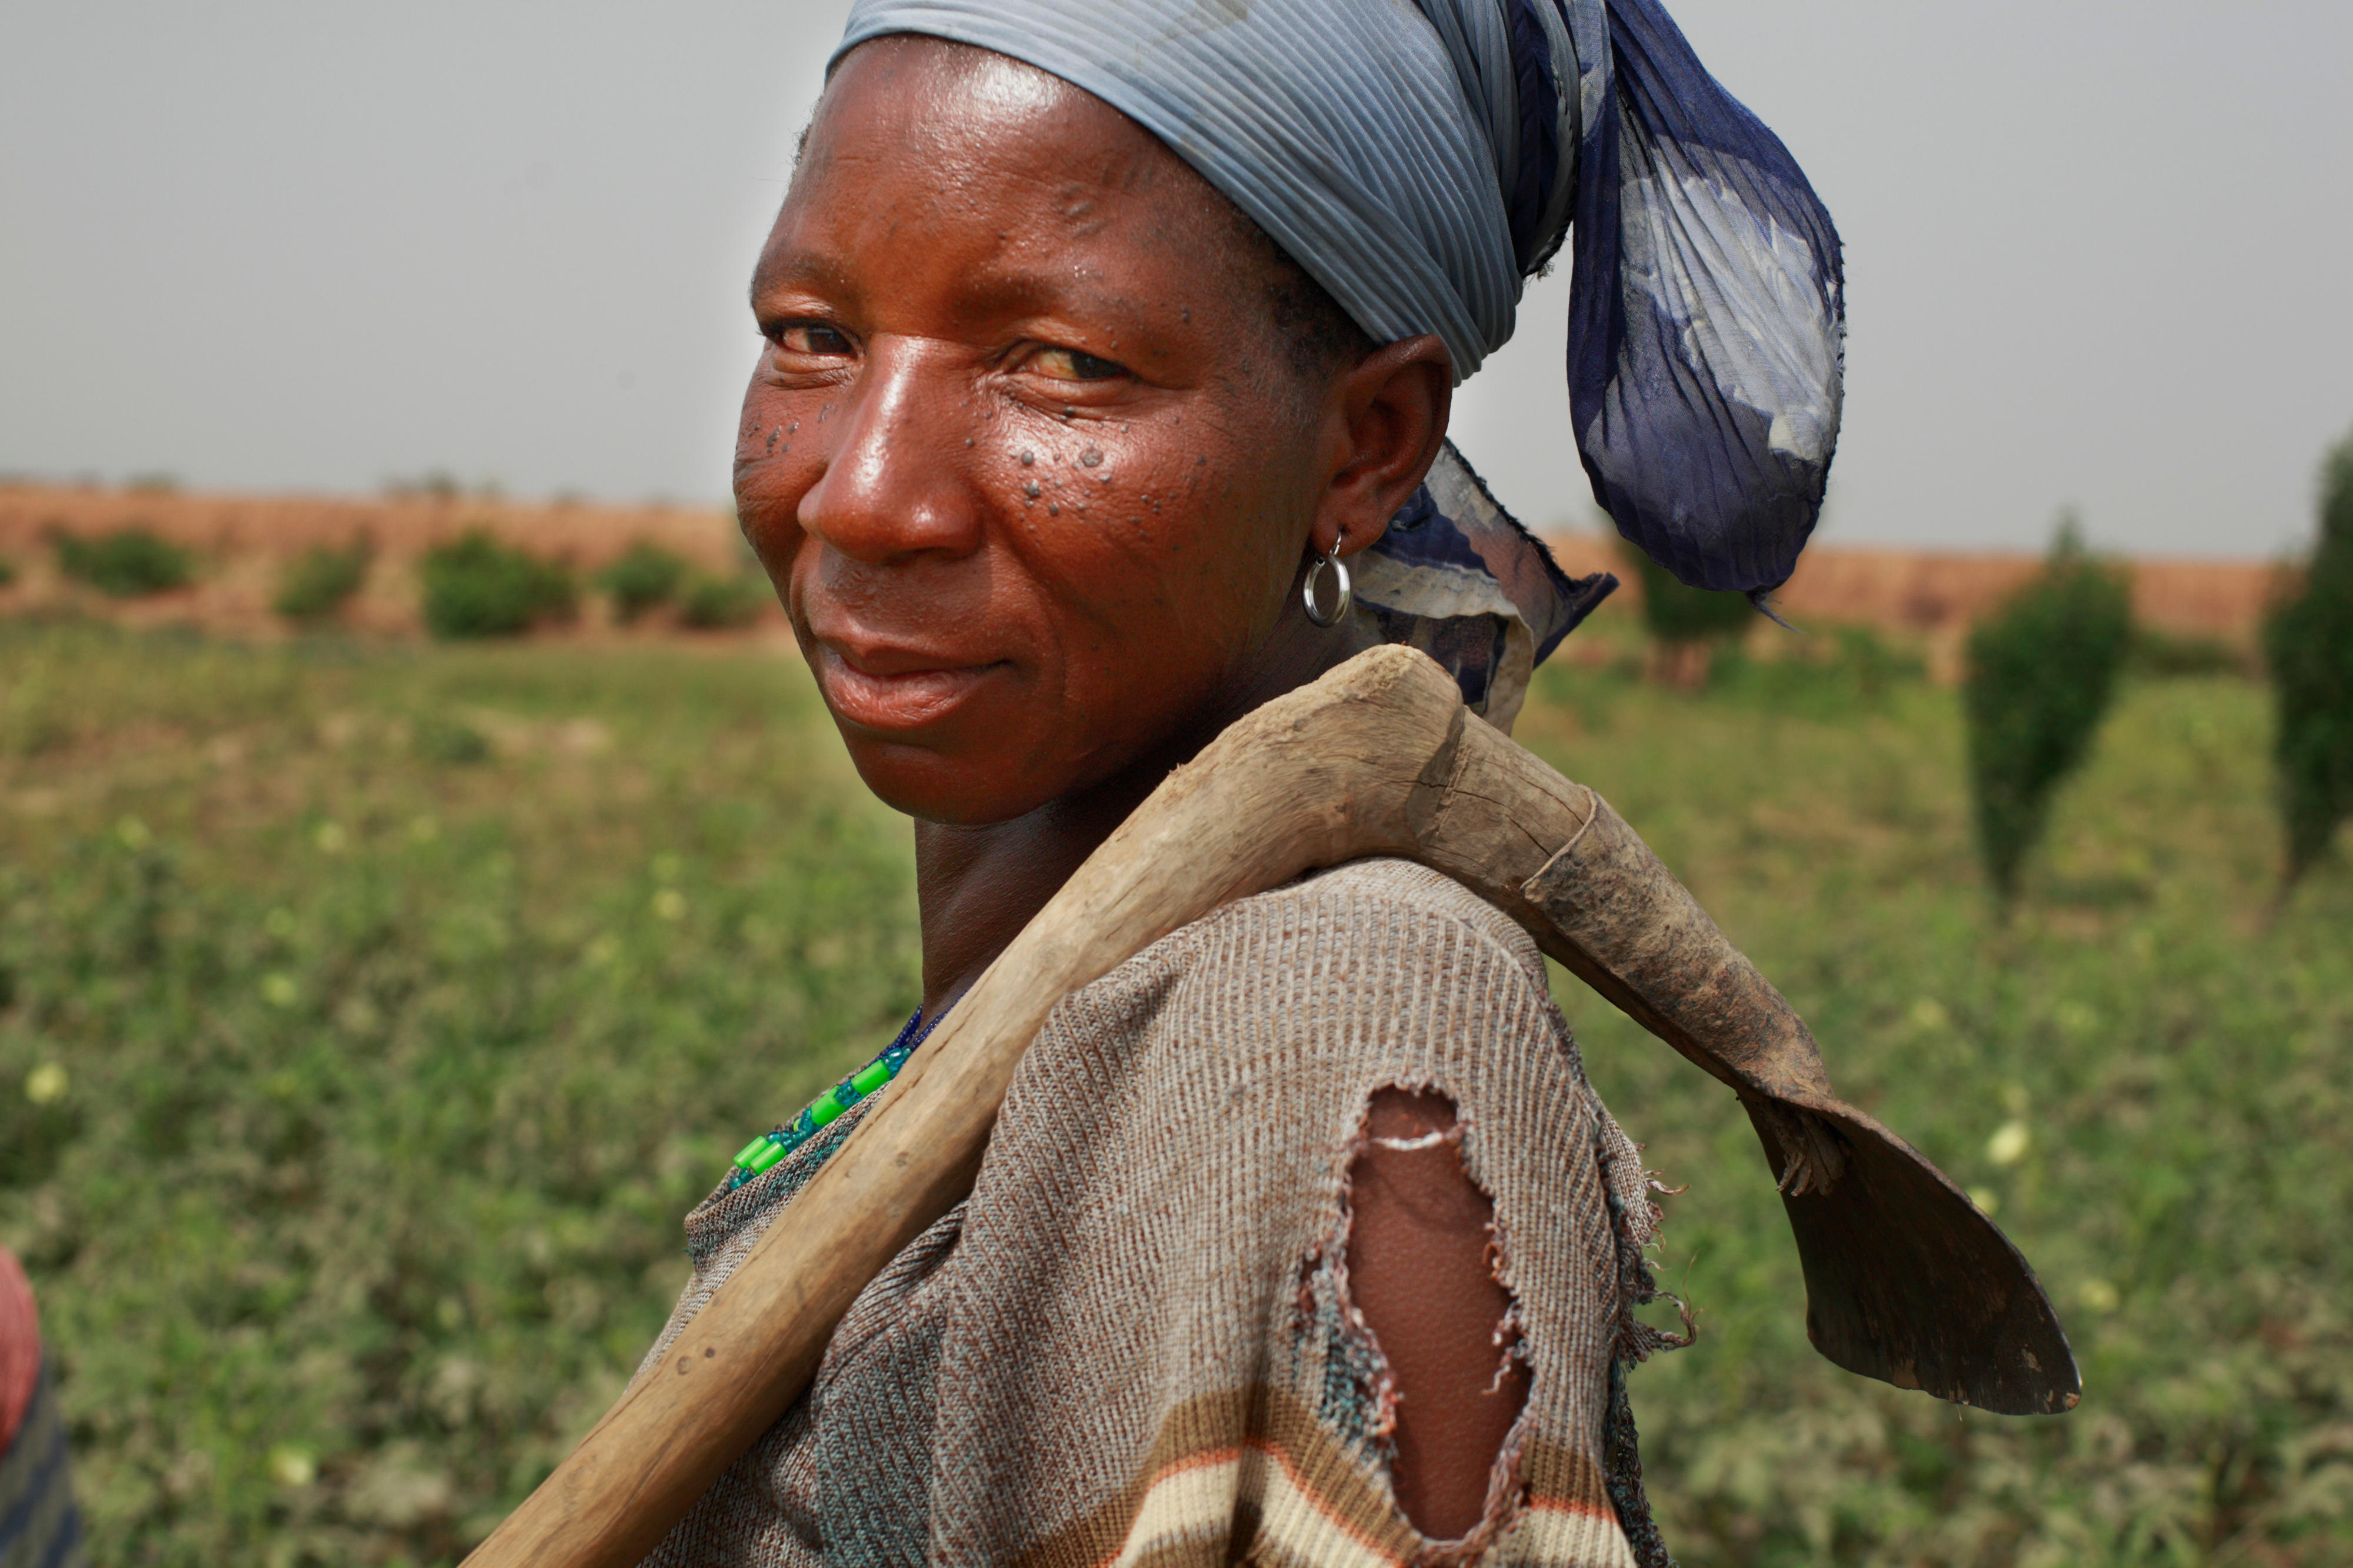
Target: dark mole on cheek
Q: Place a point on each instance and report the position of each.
(1028, 459)
(1053, 510)
(1091, 459)
(1030, 490)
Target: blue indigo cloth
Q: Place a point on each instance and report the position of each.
(1420, 158)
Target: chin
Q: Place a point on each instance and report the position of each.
(933, 786)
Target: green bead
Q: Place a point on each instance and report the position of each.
(770, 1153)
(746, 1154)
(825, 1107)
(869, 1078)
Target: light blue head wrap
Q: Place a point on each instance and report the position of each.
(1420, 160)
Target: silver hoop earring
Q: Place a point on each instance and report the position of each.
(1315, 576)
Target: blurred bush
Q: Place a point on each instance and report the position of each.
(476, 587)
(129, 563)
(1848, 670)
(2041, 674)
(1683, 621)
(714, 604)
(2308, 643)
(316, 584)
(2163, 655)
(641, 578)
(7, 572)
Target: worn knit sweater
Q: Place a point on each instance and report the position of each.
(1135, 1343)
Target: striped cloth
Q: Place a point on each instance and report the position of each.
(1134, 1344)
(39, 1526)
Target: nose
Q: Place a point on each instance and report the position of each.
(893, 486)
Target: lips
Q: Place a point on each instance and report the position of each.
(895, 688)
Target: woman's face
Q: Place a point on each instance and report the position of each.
(1023, 455)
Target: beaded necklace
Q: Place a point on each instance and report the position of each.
(769, 1147)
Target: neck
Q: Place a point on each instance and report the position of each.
(977, 885)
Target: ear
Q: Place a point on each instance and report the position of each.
(1381, 428)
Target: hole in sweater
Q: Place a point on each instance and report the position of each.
(1421, 1278)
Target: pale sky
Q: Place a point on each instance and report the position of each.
(2099, 253)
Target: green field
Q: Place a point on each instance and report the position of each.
(370, 1014)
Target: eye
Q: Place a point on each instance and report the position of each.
(813, 337)
(1071, 364)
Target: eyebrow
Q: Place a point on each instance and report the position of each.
(1018, 292)
(798, 270)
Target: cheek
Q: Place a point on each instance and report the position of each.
(774, 468)
(1162, 538)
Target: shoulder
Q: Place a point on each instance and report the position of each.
(1384, 907)
(1380, 938)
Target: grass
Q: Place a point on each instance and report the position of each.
(385, 1096)
(405, 998)
(2147, 1083)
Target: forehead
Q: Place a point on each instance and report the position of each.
(918, 142)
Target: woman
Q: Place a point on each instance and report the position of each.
(1109, 343)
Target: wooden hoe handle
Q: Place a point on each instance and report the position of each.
(1378, 757)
